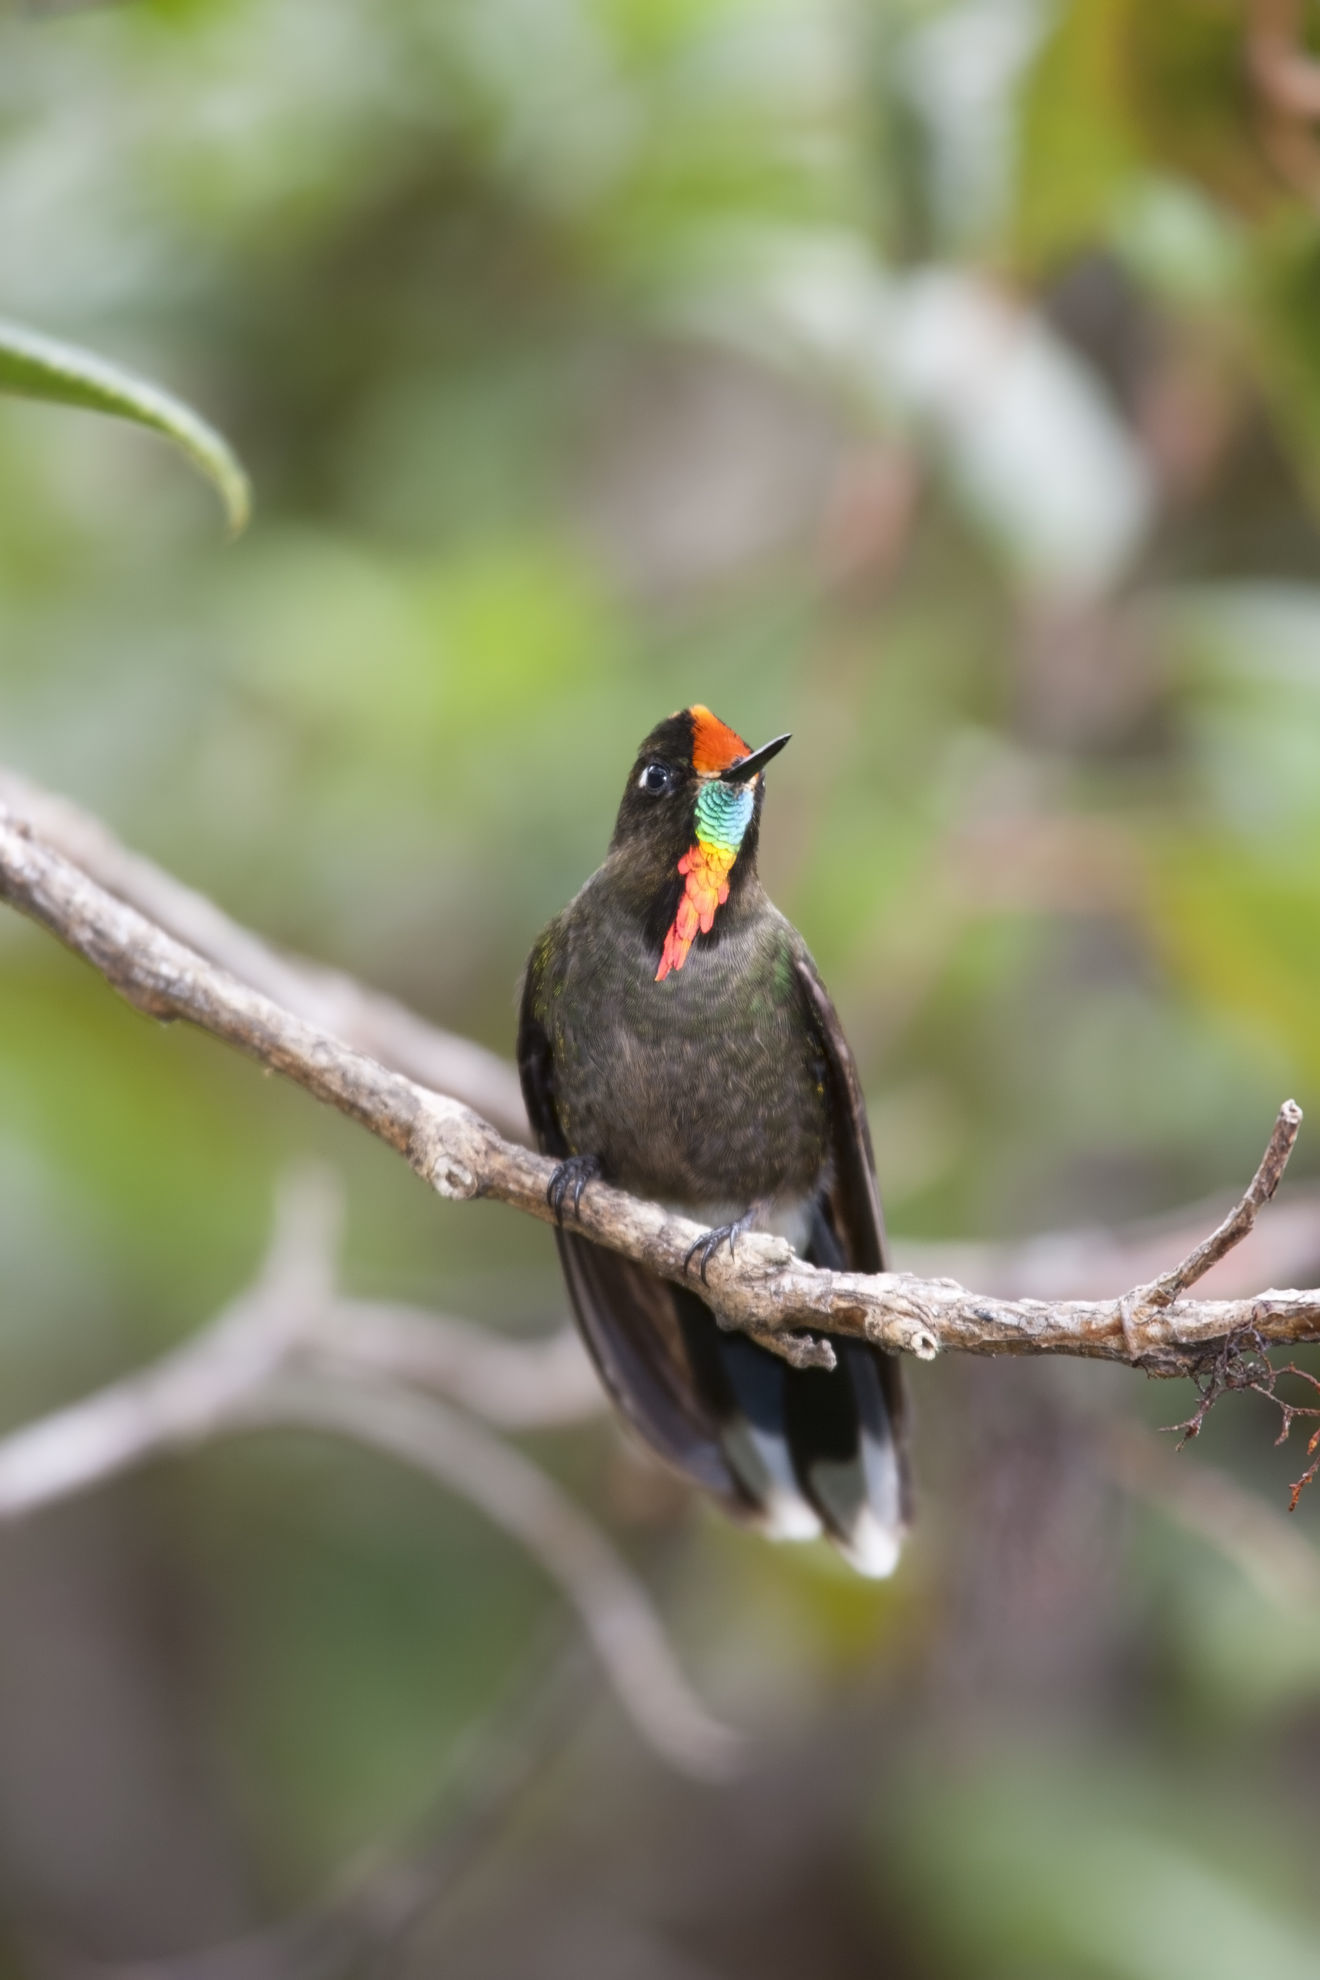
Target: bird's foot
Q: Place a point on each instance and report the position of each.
(569, 1180)
(707, 1246)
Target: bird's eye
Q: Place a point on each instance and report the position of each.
(656, 779)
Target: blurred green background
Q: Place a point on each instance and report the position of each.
(940, 382)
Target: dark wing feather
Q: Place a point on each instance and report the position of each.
(640, 1330)
(849, 1454)
(853, 1197)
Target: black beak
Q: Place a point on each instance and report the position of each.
(747, 766)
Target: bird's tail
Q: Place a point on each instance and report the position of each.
(812, 1450)
(799, 1452)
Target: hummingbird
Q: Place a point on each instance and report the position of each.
(675, 1039)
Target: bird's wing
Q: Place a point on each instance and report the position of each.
(853, 1198)
(848, 1437)
(646, 1336)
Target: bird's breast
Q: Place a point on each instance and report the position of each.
(706, 1090)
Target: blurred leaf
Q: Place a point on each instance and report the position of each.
(37, 367)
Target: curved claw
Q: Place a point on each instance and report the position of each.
(569, 1180)
(708, 1246)
(722, 1234)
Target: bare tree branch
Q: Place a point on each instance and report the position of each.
(270, 1360)
(365, 1019)
(766, 1290)
(1057, 1264)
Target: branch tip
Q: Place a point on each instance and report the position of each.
(1136, 1307)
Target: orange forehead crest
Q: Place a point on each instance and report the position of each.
(714, 744)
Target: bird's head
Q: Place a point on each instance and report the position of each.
(688, 824)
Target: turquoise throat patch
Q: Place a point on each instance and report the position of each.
(724, 811)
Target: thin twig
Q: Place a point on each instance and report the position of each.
(1239, 1221)
(1242, 1365)
(767, 1290)
(1238, 1363)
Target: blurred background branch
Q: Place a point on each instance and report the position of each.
(271, 1360)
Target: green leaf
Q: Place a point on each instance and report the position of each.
(37, 367)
